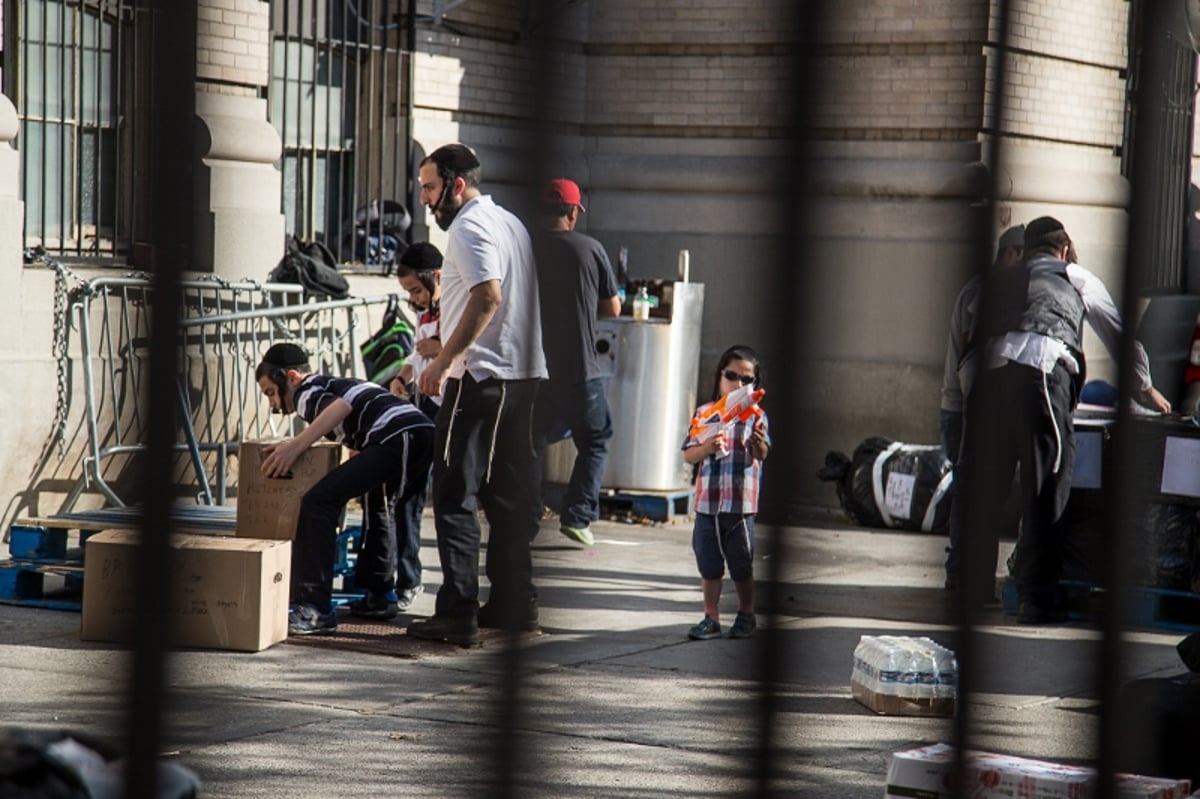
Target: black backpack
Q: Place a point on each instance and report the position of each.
(312, 265)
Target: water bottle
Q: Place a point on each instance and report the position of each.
(641, 304)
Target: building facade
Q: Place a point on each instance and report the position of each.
(675, 117)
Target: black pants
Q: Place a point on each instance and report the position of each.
(1016, 415)
(398, 472)
(483, 458)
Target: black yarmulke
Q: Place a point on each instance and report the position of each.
(286, 355)
(1037, 231)
(422, 257)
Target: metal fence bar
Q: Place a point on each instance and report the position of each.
(976, 552)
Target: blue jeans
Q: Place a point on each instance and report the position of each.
(724, 539)
(581, 410)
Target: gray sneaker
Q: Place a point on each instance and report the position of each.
(405, 598)
(581, 535)
(743, 626)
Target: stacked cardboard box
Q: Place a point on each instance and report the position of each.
(269, 507)
(925, 773)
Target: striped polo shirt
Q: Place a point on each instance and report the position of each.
(376, 415)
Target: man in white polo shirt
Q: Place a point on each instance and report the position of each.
(487, 374)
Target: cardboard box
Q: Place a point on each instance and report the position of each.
(227, 593)
(924, 773)
(269, 507)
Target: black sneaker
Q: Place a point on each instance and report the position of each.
(1029, 613)
(489, 617)
(372, 606)
(305, 619)
(464, 632)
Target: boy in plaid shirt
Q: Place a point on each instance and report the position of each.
(727, 498)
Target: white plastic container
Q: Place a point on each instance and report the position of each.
(901, 675)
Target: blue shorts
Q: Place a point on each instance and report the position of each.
(724, 539)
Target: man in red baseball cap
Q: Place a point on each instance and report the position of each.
(576, 286)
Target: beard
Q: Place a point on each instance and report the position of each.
(445, 211)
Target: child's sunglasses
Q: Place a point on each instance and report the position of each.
(745, 380)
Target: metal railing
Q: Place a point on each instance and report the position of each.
(224, 329)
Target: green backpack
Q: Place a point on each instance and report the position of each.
(385, 353)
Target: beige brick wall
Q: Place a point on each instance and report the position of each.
(476, 68)
(233, 42)
(1089, 31)
(1057, 100)
(693, 68)
(1064, 78)
(902, 72)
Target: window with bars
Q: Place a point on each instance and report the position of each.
(65, 77)
(336, 98)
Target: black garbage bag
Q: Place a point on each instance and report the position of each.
(891, 484)
(57, 764)
(1167, 535)
(1160, 716)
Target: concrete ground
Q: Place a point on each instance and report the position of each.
(612, 701)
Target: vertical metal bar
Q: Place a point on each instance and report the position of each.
(969, 644)
(174, 38)
(99, 78)
(1116, 565)
(327, 40)
(373, 184)
(65, 45)
(45, 119)
(313, 48)
(279, 36)
(791, 282)
(343, 207)
(120, 101)
(378, 89)
(22, 28)
(410, 190)
(399, 147)
(355, 193)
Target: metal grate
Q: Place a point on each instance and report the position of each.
(337, 99)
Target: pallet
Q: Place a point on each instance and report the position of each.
(631, 505)
(1146, 607)
(53, 546)
(25, 583)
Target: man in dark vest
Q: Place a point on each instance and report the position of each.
(1028, 349)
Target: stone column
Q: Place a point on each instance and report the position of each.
(12, 210)
(239, 226)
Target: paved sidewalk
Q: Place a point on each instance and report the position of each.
(614, 700)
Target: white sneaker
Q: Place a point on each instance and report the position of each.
(405, 598)
(580, 535)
